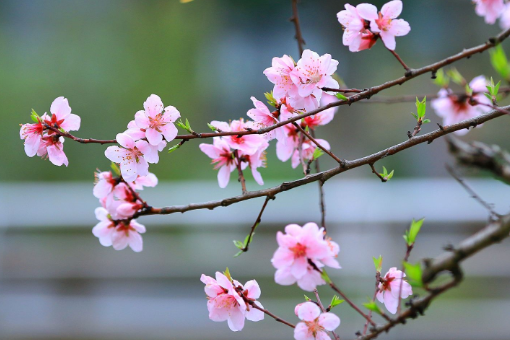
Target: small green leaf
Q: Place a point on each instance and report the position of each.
(500, 63)
(442, 80)
(213, 128)
(239, 244)
(426, 121)
(390, 175)
(317, 153)
(307, 298)
(488, 96)
(421, 107)
(35, 117)
(325, 276)
(414, 273)
(115, 169)
(173, 148)
(456, 76)
(247, 238)
(378, 263)
(227, 274)
(413, 231)
(238, 253)
(335, 301)
(371, 305)
(341, 96)
(270, 99)
(415, 116)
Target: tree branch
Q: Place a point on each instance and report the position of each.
(332, 155)
(295, 20)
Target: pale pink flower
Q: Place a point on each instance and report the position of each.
(156, 122)
(247, 144)
(225, 303)
(385, 22)
(323, 117)
(286, 146)
(298, 249)
(279, 75)
(312, 73)
(504, 20)
(490, 9)
(127, 204)
(145, 181)
(222, 155)
(134, 131)
(32, 134)
(265, 118)
(257, 160)
(105, 182)
(133, 156)
(53, 147)
(307, 150)
(454, 109)
(389, 290)
(118, 234)
(61, 116)
(314, 325)
(356, 33)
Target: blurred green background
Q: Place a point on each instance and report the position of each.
(206, 58)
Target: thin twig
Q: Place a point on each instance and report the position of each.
(399, 60)
(319, 302)
(241, 178)
(377, 281)
(377, 174)
(80, 140)
(416, 129)
(322, 202)
(317, 143)
(257, 221)
(471, 192)
(329, 89)
(295, 20)
(277, 318)
(356, 308)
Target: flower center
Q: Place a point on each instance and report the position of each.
(383, 23)
(314, 327)
(299, 250)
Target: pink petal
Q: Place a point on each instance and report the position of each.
(169, 131)
(301, 332)
(309, 311)
(284, 277)
(135, 242)
(223, 176)
(388, 40)
(115, 154)
(153, 105)
(367, 11)
(171, 114)
(150, 152)
(236, 320)
(392, 9)
(60, 107)
(71, 123)
(119, 240)
(141, 120)
(329, 321)
(399, 27)
(321, 335)
(253, 289)
(56, 155)
(254, 314)
(125, 140)
(390, 302)
(153, 137)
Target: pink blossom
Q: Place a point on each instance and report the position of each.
(221, 154)
(257, 160)
(53, 147)
(314, 324)
(279, 75)
(307, 149)
(298, 249)
(105, 182)
(118, 234)
(312, 73)
(385, 22)
(61, 116)
(504, 20)
(227, 300)
(389, 289)
(286, 146)
(454, 109)
(247, 144)
(356, 33)
(264, 118)
(323, 117)
(127, 204)
(145, 181)
(32, 134)
(133, 156)
(490, 9)
(156, 122)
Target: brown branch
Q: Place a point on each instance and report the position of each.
(325, 175)
(240, 178)
(407, 68)
(317, 143)
(356, 308)
(257, 221)
(80, 140)
(471, 192)
(322, 202)
(416, 129)
(482, 156)
(329, 89)
(272, 315)
(377, 174)
(295, 20)
(493, 233)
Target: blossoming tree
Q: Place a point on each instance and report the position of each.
(303, 94)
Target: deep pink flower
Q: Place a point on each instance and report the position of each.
(61, 116)
(279, 75)
(226, 304)
(389, 289)
(490, 9)
(32, 134)
(385, 22)
(53, 147)
(314, 324)
(156, 122)
(323, 117)
(307, 150)
(222, 155)
(312, 73)
(133, 156)
(297, 248)
(247, 144)
(454, 109)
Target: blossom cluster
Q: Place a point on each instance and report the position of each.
(454, 108)
(119, 202)
(229, 300)
(146, 135)
(491, 10)
(363, 25)
(302, 252)
(45, 142)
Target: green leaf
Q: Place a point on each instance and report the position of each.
(317, 153)
(173, 148)
(442, 80)
(415, 116)
(341, 96)
(378, 263)
(414, 273)
(238, 253)
(325, 276)
(390, 175)
(270, 99)
(499, 62)
(371, 305)
(35, 117)
(307, 298)
(239, 244)
(456, 77)
(421, 107)
(426, 121)
(213, 128)
(413, 231)
(248, 237)
(115, 169)
(335, 301)
(227, 274)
